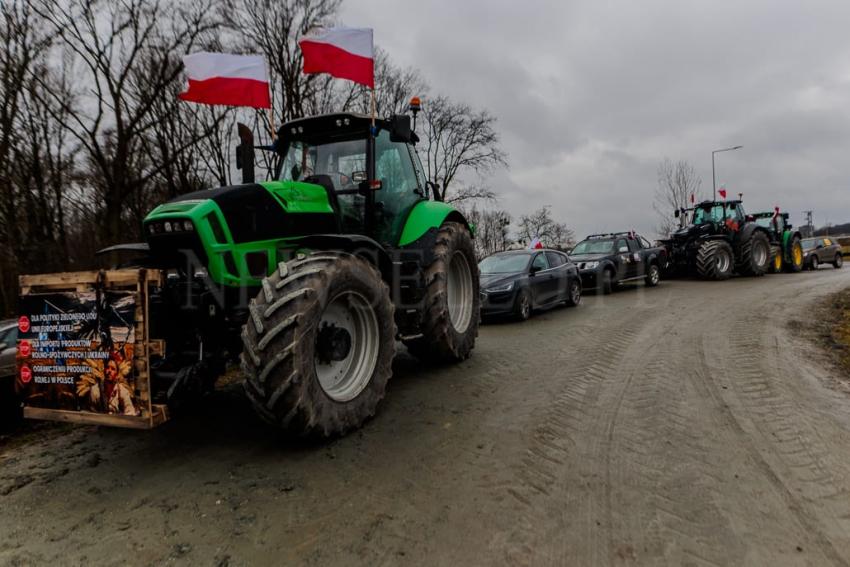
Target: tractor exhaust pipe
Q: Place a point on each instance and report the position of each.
(245, 153)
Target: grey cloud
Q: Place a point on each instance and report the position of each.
(591, 95)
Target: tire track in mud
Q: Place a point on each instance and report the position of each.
(663, 475)
(790, 453)
(567, 429)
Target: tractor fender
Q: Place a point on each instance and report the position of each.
(427, 215)
(357, 244)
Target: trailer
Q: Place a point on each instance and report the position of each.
(84, 348)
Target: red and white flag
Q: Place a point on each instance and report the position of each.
(535, 244)
(344, 53)
(722, 191)
(229, 80)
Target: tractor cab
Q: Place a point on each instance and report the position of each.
(721, 212)
(372, 183)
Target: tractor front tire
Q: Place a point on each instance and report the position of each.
(319, 344)
(795, 252)
(714, 260)
(754, 255)
(452, 302)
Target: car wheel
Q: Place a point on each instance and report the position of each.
(574, 293)
(607, 281)
(653, 276)
(813, 263)
(522, 310)
(839, 261)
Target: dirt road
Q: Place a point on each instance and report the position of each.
(680, 425)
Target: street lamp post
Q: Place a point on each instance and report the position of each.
(713, 176)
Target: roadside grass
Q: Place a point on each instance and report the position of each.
(832, 327)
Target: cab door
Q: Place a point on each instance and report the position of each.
(636, 266)
(622, 258)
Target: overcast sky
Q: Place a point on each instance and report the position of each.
(592, 95)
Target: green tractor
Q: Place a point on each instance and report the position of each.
(312, 277)
(786, 241)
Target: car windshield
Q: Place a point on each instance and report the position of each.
(594, 247)
(809, 244)
(504, 264)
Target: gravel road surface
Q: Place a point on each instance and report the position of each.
(690, 424)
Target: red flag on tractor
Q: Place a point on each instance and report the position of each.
(344, 53)
(225, 79)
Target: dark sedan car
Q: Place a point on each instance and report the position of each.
(9, 406)
(817, 251)
(516, 282)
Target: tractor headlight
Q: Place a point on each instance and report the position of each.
(590, 265)
(501, 288)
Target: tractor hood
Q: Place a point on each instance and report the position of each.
(237, 232)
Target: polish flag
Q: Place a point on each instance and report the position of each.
(225, 79)
(535, 244)
(344, 53)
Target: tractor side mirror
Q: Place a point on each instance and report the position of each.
(400, 130)
(245, 153)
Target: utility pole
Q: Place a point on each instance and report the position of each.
(810, 226)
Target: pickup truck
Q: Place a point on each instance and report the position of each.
(607, 260)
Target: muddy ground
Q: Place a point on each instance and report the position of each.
(690, 424)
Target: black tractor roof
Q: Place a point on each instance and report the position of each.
(715, 203)
(324, 127)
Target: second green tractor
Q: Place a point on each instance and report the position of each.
(786, 241)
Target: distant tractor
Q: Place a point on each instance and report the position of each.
(786, 241)
(717, 240)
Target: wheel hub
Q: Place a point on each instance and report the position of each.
(347, 346)
(333, 343)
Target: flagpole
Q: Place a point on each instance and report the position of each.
(373, 105)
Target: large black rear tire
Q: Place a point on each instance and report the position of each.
(452, 302)
(714, 260)
(754, 255)
(319, 344)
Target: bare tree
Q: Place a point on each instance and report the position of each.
(24, 44)
(678, 185)
(459, 140)
(128, 53)
(273, 27)
(492, 230)
(541, 225)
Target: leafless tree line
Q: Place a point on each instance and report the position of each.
(92, 134)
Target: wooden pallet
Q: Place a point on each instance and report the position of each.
(139, 281)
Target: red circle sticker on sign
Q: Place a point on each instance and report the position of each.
(25, 348)
(26, 374)
(24, 324)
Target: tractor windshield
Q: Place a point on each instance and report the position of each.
(712, 213)
(337, 160)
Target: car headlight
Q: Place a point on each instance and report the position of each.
(590, 265)
(502, 288)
